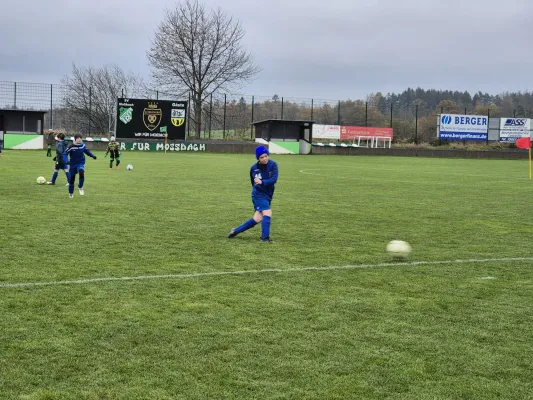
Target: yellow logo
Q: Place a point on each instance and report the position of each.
(152, 116)
(177, 117)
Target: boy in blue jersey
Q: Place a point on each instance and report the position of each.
(263, 176)
(76, 151)
(61, 160)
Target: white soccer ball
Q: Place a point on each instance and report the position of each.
(398, 249)
(41, 180)
(129, 167)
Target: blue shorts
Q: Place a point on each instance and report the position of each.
(75, 168)
(57, 167)
(261, 204)
(61, 163)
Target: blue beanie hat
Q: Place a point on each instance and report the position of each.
(259, 151)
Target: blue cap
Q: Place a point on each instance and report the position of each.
(77, 135)
(259, 151)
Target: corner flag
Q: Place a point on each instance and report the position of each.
(525, 143)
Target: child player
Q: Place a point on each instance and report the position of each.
(113, 148)
(263, 176)
(61, 160)
(50, 142)
(76, 151)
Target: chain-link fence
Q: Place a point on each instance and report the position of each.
(224, 116)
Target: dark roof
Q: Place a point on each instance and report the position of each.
(23, 111)
(283, 120)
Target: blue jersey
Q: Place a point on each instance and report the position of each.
(76, 152)
(268, 173)
(61, 151)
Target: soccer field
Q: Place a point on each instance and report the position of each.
(133, 291)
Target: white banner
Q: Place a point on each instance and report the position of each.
(463, 127)
(326, 131)
(514, 128)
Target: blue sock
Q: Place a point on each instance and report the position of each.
(54, 177)
(66, 173)
(80, 183)
(247, 225)
(71, 181)
(265, 227)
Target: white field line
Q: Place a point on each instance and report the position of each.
(258, 271)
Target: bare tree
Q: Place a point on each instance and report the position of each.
(91, 96)
(199, 51)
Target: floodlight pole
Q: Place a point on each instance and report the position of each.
(488, 123)
(51, 105)
(416, 124)
(252, 128)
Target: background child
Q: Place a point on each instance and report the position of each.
(113, 148)
(50, 142)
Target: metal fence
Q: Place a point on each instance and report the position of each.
(223, 116)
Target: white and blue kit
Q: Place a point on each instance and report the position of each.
(76, 153)
(262, 194)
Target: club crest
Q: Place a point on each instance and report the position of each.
(177, 117)
(152, 116)
(126, 114)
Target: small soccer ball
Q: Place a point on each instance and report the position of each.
(398, 249)
(129, 167)
(41, 180)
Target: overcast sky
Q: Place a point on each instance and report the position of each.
(334, 49)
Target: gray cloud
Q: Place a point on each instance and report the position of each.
(334, 49)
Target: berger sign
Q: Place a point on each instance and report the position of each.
(463, 127)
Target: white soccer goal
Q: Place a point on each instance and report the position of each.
(363, 141)
(385, 140)
(372, 141)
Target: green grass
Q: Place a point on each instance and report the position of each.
(400, 331)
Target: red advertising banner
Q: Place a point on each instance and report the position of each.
(352, 132)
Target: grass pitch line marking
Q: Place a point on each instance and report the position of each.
(256, 271)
